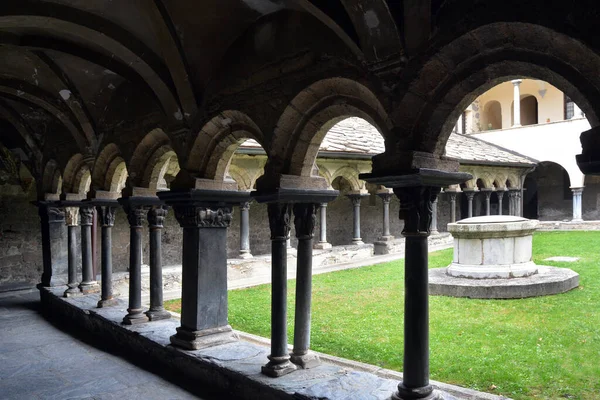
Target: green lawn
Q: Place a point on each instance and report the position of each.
(538, 348)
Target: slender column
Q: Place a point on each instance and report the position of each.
(416, 204)
(434, 228)
(279, 221)
(323, 244)
(487, 192)
(52, 220)
(513, 202)
(88, 280)
(304, 222)
(470, 193)
(452, 195)
(245, 230)
(106, 216)
(500, 194)
(355, 199)
(204, 321)
(577, 213)
(135, 216)
(72, 220)
(386, 197)
(156, 218)
(517, 102)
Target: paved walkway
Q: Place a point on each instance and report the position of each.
(39, 361)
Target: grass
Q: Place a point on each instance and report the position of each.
(537, 348)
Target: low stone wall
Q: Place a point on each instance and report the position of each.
(569, 226)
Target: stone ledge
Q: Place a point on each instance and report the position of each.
(233, 370)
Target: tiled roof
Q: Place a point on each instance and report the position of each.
(357, 136)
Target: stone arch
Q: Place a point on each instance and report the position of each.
(241, 177)
(499, 182)
(445, 84)
(324, 172)
(311, 114)
(487, 179)
(492, 115)
(529, 110)
(161, 168)
(145, 157)
(343, 185)
(77, 176)
(52, 178)
(217, 141)
(350, 175)
(110, 170)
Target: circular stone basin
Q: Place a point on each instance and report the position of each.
(492, 247)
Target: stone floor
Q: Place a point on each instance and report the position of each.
(39, 361)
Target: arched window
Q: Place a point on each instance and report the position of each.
(492, 116)
(529, 111)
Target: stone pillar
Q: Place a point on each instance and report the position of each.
(72, 220)
(280, 224)
(106, 215)
(577, 212)
(135, 215)
(88, 280)
(416, 205)
(517, 102)
(323, 244)
(452, 195)
(513, 206)
(156, 218)
(355, 199)
(500, 194)
(386, 198)
(245, 230)
(434, 228)
(487, 192)
(54, 238)
(304, 222)
(470, 193)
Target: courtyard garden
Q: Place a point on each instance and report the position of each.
(536, 348)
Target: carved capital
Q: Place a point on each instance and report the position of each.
(135, 215)
(106, 215)
(280, 215)
(452, 196)
(355, 199)
(500, 194)
(245, 206)
(305, 219)
(72, 216)
(416, 208)
(87, 215)
(52, 214)
(156, 216)
(386, 197)
(203, 217)
(470, 194)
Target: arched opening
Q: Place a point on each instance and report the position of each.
(529, 111)
(492, 116)
(547, 194)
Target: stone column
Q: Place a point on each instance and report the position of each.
(72, 220)
(304, 221)
(500, 194)
(135, 215)
(386, 198)
(517, 102)
(513, 202)
(470, 193)
(88, 280)
(487, 192)
(577, 212)
(245, 230)
(323, 244)
(54, 237)
(106, 215)
(452, 195)
(416, 204)
(355, 199)
(156, 218)
(280, 224)
(434, 228)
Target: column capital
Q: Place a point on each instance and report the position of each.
(416, 208)
(106, 215)
(51, 212)
(280, 215)
(245, 205)
(516, 82)
(87, 215)
(356, 198)
(196, 216)
(72, 216)
(305, 220)
(576, 190)
(135, 215)
(156, 216)
(386, 197)
(470, 193)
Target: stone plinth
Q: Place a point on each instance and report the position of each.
(492, 247)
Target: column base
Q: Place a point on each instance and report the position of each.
(156, 315)
(422, 393)
(278, 366)
(135, 316)
(108, 303)
(305, 361)
(245, 254)
(357, 241)
(380, 248)
(577, 220)
(73, 291)
(196, 340)
(385, 238)
(89, 287)
(322, 245)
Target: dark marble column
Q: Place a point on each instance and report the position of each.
(386, 197)
(304, 221)
(470, 193)
(452, 196)
(355, 199)
(488, 194)
(245, 230)
(106, 216)
(72, 220)
(156, 218)
(88, 280)
(54, 242)
(280, 224)
(323, 244)
(135, 215)
(500, 194)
